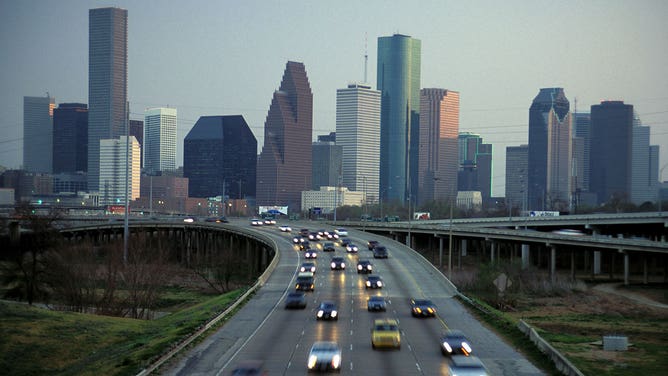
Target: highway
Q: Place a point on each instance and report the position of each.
(263, 330)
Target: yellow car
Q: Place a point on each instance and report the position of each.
(385, 333)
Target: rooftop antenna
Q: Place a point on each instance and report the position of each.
(366, 57)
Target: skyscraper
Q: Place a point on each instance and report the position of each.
(644, 171)
(38, 133)
(113, 170)
(611, 150)
(358, 134)
(160, 140)
(549, 151)
(70, 138)
(107, 82)
(284, 165)
(137, 130)
(517, 165)
(439, 126)
(398, 80)
(326, 159)
(219, 157)
(475, 165)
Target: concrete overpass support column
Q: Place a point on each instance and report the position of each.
(597, 263)
(493, 249)
(440, 252)
(553, 263)
(644, 270)
(526, 261)
(572, 265)
(464, 244)
(626, 268)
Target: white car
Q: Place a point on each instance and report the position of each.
(285, 228)
(341, 232)
(324, 356)
(256, 222)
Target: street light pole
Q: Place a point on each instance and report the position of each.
(450, 242)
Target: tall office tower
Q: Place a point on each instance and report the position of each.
(358, 134)
(38, 133)
(113, 170)
(219, 158)
(398, 79)
(137, 130)
(107, 82)
(326, 164)
(644, 180)
(160, 141)
(284, 165)
(70, 138)
(581, 129)
(549, 151)
(439, 126)
(611, 150)
(517, 165)
(475, 165)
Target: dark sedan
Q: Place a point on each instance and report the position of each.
(373, 282)
(327, 311)
(328, 247)
(295, 300)
(338, 263)
(454, 342)
(422, 308)
(380, 252)
(372, 244)
(364, 266)
(376, 303)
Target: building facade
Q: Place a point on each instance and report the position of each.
(38, 133)
(70, 138)
(438, 161)
(611, 150)
(644, 170)
(284, 166)
(160, 140)
(358, 135)
(398, 80)
(517, 166)
(328, 198)
(549, 151)
(137, 130)
(219, 158)
(114, 171)
(107, 83)
(326, 167)
(475, 165)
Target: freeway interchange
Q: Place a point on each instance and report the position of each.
(280, 339)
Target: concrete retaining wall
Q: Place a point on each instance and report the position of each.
(563, 365)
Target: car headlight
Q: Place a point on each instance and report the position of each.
(302, 269)
(466, 347)
(333, 265)
(418, 310)
(359, 267)
(311, 361)
(343, 265)
(447, 347)
(380, 283)
(430, 310)
(336, 361)
(368, 283)
(313, 269)
(320, 313)
(334, 313)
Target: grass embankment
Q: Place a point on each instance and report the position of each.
(35, 341)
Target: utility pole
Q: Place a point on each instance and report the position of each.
(126, 222)
(450, 241)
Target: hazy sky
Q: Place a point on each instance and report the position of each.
(227, 57)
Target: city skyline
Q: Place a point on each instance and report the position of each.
(465, 47)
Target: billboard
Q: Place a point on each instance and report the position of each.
(543, 213)
(275, 210)
(421, 216)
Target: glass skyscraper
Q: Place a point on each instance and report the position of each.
(38, 133)
(398, 80)
(107, 82)
(160, 140)
(70, 138)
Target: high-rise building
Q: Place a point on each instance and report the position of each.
(160, 140)
(581, 130)
(219, 158)
(438, 163)
(326, 165)
(475, 165)
(358, 134)
(70, 138)
(284, 165)
(137, 130)
(107, 83)
(38, 133)
(549, 151)
(113, 171)
(611, 150)
(398, 80)
(644, 171)
(517, 166)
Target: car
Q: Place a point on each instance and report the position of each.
(373, 282)
(341, 232)
(385, 333)
(313, 236)
(249, 368)
(307, 267)
(380, 252)
(351, 248)
(256, 222)
(328, 247)
(304, 232)
(304, 283)
(344, 242)
(466, 366)
(324, 356)
(322, 233)
(217, 219)
(298, 239)
(327, 311)
(269, 221)
(295, 300)
(189, 219)
(364, 266)
(422, 308)
(332, 236)
(371, 244)
(285, 228)
(311, 253)
(304, 246)
(454, 342)
(338, 263)
(376, 303)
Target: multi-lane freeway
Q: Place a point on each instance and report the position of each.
(263, 330)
